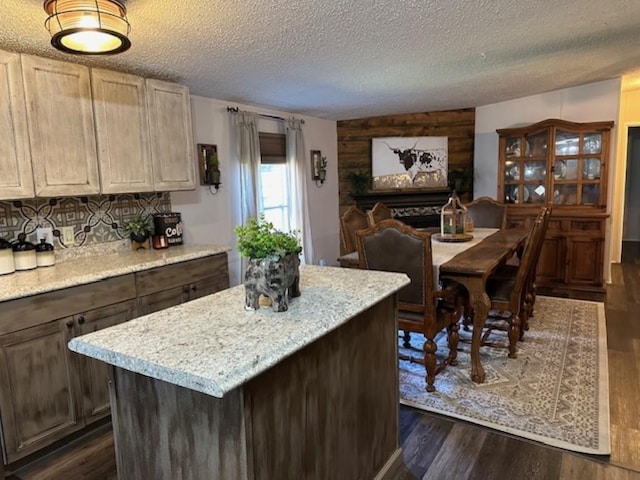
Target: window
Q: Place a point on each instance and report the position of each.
(274, 180)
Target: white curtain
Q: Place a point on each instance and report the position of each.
(298, 198)
(245, 164)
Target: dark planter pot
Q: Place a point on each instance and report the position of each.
(275, 277)
(139, 238)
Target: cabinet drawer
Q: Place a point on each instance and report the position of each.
(37, 309)
(585, 225)
(170, 276)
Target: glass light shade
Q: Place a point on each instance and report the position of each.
(88, 27)
(453, 218)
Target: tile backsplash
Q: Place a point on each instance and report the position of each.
(95, 219)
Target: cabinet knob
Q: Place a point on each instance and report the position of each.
(194, 288)
(80, 320)
(69, 323)
(185, 289)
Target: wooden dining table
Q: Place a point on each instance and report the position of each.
(471, 268)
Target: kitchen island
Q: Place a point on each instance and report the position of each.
(208, 390)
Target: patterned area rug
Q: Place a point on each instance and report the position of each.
(556, 392)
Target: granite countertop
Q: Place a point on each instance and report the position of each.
(212, 345)
(95, 267)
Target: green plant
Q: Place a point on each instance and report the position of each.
(360, 181)
(260, 239)
(460, 178)
(139, 226)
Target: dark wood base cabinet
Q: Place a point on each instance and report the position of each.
(329, 411)
(48, 392)
(572, 256)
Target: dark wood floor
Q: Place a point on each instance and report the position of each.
(436, 447)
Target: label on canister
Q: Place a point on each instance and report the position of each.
(169, 224)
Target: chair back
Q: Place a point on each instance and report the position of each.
(530, 256)
(393, 246)
(379, 212)
(487, 213)
(351, 221)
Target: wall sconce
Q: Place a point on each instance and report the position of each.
(318, 167)
(88, 27)
(209, 166)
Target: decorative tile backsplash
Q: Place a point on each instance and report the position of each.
(95, 219)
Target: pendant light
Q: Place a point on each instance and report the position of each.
(88, 27)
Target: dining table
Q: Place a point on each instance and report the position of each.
(472, 267)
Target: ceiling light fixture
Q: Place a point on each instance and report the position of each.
(88, 27)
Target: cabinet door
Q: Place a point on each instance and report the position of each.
(585, 260)
(120, 108)
(94, 375)
(163, 299)
(172, 149)
(61, 131)
(16, 179)
(39, 395)
(551, 263)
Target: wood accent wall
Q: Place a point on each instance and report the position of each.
(354, 140)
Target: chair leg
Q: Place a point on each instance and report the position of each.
(406, 339)
(514, 334)
(453, 338)
(430, 363)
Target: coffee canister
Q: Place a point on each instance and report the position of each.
(7, 265)
(169, 224)
(44, 254)
(24, 253)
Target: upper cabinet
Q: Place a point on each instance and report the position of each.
(61, 129)
(554, 161)
(172, 148)
(16, 179)
(120, 109)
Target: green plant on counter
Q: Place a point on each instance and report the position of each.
(260, 239)
(360, 181)
(139, 226)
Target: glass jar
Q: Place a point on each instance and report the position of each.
(7, 265)
(24, 253)
(453, 218)
(44, 254)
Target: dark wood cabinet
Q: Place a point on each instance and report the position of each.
(564, 164)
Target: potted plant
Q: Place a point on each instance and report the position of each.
(460, 179)
(321, 169)
(360, 181)
(273, 263)
(213, 169)
(139, 228)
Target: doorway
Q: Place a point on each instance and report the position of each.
(631, 221)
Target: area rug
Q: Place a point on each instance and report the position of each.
(555, 392)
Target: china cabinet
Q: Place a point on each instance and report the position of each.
(563, 164)
(122, 132)
(170, 128)
(60, 125)
(16, 179)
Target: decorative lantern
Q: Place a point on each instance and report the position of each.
(453, 219)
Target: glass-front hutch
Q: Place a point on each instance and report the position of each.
(563, 164)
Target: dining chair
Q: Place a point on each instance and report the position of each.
(352, 220)
(379, 212)
(508, 294)
(487, 213)
(391, 245)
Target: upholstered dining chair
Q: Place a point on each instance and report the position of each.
(379, 212)
(487, 213)
(391, 245)
(508, 293)
(352, 220)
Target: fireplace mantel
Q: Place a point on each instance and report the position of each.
(418, 208)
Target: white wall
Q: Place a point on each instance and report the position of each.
(594, 102)
(207, 217)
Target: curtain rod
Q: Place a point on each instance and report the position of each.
(264, 115)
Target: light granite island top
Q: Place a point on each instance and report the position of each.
(213, 345)
(96, 266)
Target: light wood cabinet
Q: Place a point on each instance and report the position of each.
(564, 164)
(60, 125)
(171, 134)
(165, 287)
(16, 178)
(122, 132)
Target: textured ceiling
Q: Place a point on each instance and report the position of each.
(342, 59)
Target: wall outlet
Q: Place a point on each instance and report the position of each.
(46, 233)
(67, 236)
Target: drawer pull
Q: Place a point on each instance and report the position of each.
(69, 323)
(80, 320)
(194, 288)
